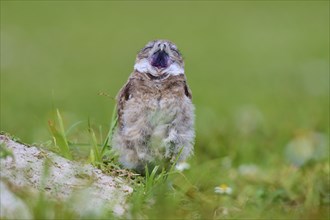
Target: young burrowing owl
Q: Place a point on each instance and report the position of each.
(155, 112)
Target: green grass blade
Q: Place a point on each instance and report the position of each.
(73, 126)
(113, 124)
(96, 153)
(60, 136)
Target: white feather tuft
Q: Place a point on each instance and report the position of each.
(143, 66)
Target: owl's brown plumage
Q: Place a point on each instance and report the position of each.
(155, 112)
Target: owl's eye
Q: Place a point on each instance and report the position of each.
(176, 51)
(146, 48)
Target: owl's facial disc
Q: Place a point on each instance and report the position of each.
(160, 59)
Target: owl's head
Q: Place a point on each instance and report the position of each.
(159, 57)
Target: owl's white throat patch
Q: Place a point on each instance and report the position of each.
(143, 66)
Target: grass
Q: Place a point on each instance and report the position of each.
(59, 136)
(259, 72)
(216, 189)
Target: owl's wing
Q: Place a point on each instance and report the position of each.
(122, 97)
(187, 90)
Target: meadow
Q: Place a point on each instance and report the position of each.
(258, 71)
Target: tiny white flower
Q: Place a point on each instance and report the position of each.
(223, 189)
(182, 166)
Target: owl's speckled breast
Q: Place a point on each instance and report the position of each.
(153, 108)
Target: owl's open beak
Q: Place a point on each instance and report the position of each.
(160, 59)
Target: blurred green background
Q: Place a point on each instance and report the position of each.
(259, 72)
(257, 69)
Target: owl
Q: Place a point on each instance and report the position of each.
(155, 111)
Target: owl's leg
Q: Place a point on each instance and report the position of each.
(172, 147)
(178, 145)
(137, 152)
(127, 155)
(126, 150)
